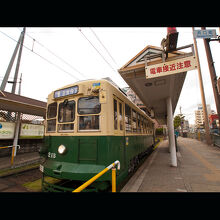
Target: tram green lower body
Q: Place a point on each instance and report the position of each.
(88, 155)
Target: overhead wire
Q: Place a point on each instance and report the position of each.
(104, 47)
(50, 62)
(79, 29)
(71, 66)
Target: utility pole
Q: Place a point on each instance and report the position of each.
(212, 73)
(18, 62)
(5, 80)
(205, 115)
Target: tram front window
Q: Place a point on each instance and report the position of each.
(87, 106)
(66, 111)
(66, 114)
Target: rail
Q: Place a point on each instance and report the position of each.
(13, 151)
(112, 166)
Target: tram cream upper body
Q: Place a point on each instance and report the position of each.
(106, 93)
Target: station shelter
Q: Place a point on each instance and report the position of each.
(157, 78)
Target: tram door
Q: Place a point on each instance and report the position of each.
(119, 129)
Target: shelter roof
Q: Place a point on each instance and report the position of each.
(153, 91)
(16, 103)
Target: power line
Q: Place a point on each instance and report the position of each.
(96, 50)
(56, 56)
(103, 46)
(60, 68)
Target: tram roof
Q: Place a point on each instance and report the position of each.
(153, 91)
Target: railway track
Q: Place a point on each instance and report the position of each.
(18, 182)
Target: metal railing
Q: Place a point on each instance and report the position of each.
(112, 166)
(14, 148)
(201, 137)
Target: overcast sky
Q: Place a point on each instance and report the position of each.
(79, 60)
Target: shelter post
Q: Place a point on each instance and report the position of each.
(171, 132)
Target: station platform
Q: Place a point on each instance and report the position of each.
(20, 160)
(198, 169)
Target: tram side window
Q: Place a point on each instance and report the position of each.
(138, 123)
(51, 113)
(145, 126)
(120, 116)
(115, 115)
(142, 123)
(52, 110)
(128, 118)
(134, 121)
(148, 127)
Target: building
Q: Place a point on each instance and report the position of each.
(134, 98)
(199, 118)
(200, 121)
(214, 121)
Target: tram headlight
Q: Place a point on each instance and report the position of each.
(61, 149)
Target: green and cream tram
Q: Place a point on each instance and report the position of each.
(89, 125)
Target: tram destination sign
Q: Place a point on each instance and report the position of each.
(67, 91)
(171, 67)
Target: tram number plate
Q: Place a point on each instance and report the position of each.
(51, 155)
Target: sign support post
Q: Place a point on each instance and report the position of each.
(207, 130)
(212, 74)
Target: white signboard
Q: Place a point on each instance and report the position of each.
(31, 131)
(7, 130)
(205, 33)
(171, 67)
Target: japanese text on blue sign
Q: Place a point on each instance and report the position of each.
(65, 92)
(205, 33)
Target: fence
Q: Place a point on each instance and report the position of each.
(30, 136)
(201, 137)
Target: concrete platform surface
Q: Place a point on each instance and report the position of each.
(20, 160)
(198, 169)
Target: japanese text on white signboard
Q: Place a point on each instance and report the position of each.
(171, 67)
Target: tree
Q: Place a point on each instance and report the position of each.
(177, 120)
